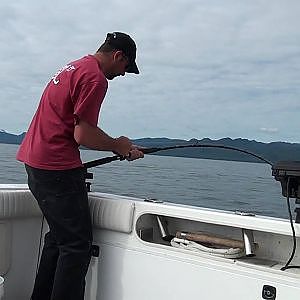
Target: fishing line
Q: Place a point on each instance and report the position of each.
(40, 245)
(287, 266)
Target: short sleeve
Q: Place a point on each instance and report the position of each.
(87, 102)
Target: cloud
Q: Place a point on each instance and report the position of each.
(269, 130)
(208, 68)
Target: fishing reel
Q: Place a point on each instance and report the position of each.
(288, 173)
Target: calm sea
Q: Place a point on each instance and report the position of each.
(208, 183)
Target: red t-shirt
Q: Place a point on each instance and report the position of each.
(75, 92)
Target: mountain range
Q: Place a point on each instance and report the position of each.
(9, 138)
(273, 152)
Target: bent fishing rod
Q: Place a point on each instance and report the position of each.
(106, 160)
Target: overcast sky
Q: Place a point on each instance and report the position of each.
(208, 68)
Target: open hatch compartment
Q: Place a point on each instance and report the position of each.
(260, 248)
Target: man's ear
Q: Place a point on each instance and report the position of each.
(118, 55)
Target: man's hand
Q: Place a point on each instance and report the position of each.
(122, 146)
(135, 153)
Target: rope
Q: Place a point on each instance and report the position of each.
(196, 247)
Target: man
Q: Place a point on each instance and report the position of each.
(67, 117)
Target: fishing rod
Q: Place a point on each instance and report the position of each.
(106, 160)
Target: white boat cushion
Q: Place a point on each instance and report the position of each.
(17, 204)
(112, 214)
(106, 212)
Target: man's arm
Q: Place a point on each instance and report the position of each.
(96, 139)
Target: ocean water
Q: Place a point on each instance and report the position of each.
(226, 185)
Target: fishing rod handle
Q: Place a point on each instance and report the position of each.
(149, 150)
(101, 161)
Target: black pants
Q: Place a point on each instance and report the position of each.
(65, 258)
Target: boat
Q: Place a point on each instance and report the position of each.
(146, 249)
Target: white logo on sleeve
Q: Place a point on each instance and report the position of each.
(67, 68)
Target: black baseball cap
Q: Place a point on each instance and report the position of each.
(122, 41)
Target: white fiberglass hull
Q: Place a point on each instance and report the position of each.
(136, 263)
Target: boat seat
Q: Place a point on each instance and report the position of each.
(107, 212)
(18, 204)
(110, 213)
(14, 204)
